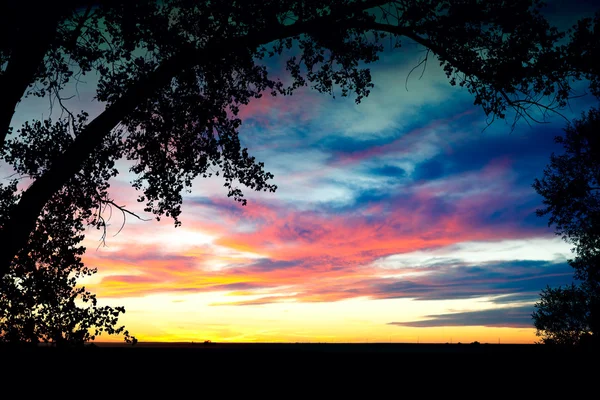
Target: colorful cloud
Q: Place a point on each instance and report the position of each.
(399, 216)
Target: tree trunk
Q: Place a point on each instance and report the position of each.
(34, 33)
(21, 223)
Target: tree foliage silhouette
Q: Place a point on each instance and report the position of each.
(562, 316)
(39, 300)
(173, 75)
(571, 190)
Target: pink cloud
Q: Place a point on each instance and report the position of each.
(322, 257)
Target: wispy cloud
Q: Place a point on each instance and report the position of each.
(506, 317)
(400, 197)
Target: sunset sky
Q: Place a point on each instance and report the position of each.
(398, 220)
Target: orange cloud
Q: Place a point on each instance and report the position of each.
(288, 254)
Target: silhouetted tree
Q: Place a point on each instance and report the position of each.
(562, 315)
(571, 191)
(173, 74)
(580, 53)
(40, 300)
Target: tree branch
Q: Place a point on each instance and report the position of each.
(14, 235)
(101, 223)
(519, 105)
(30, 46)
(26, 58)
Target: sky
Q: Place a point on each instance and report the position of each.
(396, 220)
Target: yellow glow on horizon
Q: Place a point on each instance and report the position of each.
(191, 318)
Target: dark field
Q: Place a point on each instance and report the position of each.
(300, 349)
(447, 369)
(335, 348)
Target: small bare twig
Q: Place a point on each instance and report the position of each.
(421, 62)
(102, 223)
(19, 176)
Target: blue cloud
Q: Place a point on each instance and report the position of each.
(432, 169)
(266, 264)
(528, 149)
(390, 171)
(512, 317)
(446, 282)
(348, 145)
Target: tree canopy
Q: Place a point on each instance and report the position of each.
(39, 297)
(571, 190)
(570, 187)
(562, 315)
(173, 76)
